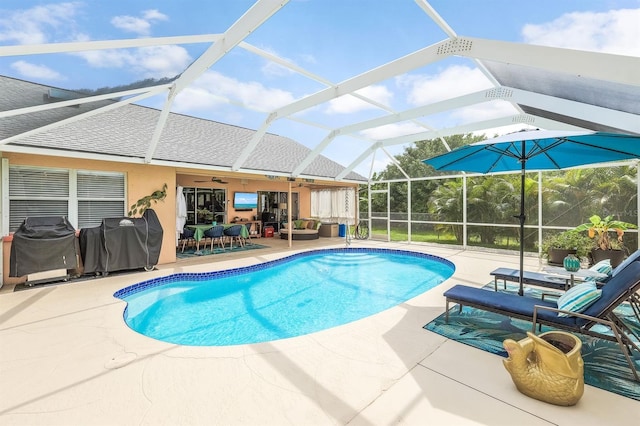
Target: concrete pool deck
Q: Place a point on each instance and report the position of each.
(67, 358)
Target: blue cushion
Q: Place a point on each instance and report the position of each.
(633, 257)
(578, 298)
(506, 303)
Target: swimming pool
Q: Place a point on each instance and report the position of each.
(293, 296)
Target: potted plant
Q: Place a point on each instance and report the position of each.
(558, 246)
(600, 229)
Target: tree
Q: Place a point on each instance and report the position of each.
(489, 198)
(411, 159)
(446, 202)
(411, 162)
(569, 197)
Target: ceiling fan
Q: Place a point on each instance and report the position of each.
(213, 179)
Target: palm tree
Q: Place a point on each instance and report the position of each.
(618, 193)
(446, 203)
(488, 198)
(569, 196)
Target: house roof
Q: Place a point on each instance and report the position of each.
(547, 87)
(125, 132)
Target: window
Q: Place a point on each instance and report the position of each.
(100, 195)
(205, 205)
(84, 197)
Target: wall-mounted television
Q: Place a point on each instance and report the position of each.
(245, 200)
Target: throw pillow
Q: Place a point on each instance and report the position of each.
(297, 224)
(603, 267)
(578, 298)
(311, 224)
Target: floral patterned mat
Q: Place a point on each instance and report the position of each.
(605, 366)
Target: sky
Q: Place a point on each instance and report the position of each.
(332, 39)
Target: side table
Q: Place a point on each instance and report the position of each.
(580, 274)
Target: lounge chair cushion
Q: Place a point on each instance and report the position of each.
(633, 257)
(578, 298)
(504, 302)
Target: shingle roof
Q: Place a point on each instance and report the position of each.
(127, 132)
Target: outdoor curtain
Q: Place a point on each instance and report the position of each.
(334, 205)
(181, 212)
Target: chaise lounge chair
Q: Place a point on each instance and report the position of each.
(622, 286)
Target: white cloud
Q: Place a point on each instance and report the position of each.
(615, 31)
(154, 15)
(273, 69)
(138, 25)
(132, 24)
(392, 130)
(454, 81)
(108, 58)
(195, 98)
(35, 25)
(208, 88)
(162, 61)
(309, 58)
(484, 111)
(349, 104)
(34, 71)
(153, 61)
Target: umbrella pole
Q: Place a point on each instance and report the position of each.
(522, 218)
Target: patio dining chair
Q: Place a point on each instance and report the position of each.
(248, 240)
(216, 234)
(234, 233)
(187, 236)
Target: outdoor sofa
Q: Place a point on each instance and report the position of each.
(303, 229)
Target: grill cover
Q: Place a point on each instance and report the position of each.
(122, 243)
(43, 244)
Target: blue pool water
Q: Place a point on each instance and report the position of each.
(297, 295)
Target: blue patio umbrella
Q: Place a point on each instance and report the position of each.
(537, 150)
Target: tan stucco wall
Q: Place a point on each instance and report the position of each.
(250, 184)
(143, 179)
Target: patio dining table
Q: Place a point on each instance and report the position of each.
(199, 231)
